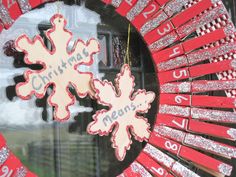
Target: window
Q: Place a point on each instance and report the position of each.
(65, 149)
(52, 149)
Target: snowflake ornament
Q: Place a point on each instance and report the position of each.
(59, 67)
(124, 104)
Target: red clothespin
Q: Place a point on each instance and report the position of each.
(196, 71)
(152, 166)
(198, 113)
(189, 45)
(205, 86)
(170, 60)
(189, 154)
(197, 100)
(145, 15)
(172, 121)
(5, 17)
(198, 86)
(201, 20)
(167, 12)
(24, 5)
(9, 12)
(196, 57)
(200, 127)
(195, 141)
(125, 7)
(212, 130)
(136, 170)
(10, 167)
(176, 99)
(167, 162)
(160, 18)
(213, 115)
(177, 21)
(191, 12)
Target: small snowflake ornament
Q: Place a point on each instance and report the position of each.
(124, 104)
(59, 67)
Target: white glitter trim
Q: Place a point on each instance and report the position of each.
(225, 169)
(138, 168)
(138, 7)
(24, 5)
(183, 171)
(174, 110)
(159, 156)
(5, 16)
(232, 132)
(116, 3)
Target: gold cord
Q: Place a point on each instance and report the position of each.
(127, 55)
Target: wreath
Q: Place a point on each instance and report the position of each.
(187, 39)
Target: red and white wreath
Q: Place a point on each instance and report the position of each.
(188, 39)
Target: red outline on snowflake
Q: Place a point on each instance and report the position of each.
(28, 71)
(129, 129)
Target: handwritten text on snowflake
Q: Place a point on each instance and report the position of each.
(60, 67)
(122, 117)
(41, 80)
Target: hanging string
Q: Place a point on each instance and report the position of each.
(127, 55)
(58, 6)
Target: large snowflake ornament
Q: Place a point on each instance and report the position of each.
(122, 116)
(59, 67)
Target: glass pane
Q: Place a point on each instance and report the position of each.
(120, 49)
(103, 56)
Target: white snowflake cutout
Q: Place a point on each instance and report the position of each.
(122, 116)
(59, 67)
